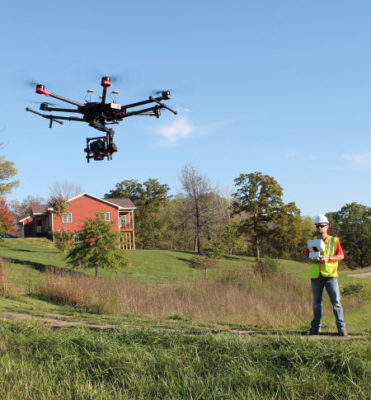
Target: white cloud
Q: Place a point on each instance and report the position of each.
(360, 160)
(291, 153)
(182, 127)
(176, 130)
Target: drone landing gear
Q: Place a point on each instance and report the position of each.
(99, 147)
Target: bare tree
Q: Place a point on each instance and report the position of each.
(23, 209)
(65, 189)
(202, 201)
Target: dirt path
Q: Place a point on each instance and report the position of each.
(56, 323)
(364, 275)
(53, 322)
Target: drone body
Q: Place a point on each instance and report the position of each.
(100, 114)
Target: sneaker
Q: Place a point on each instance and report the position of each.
(343, 332)
(312, 331)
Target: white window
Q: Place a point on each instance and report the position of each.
(107, 216)
(67, 217)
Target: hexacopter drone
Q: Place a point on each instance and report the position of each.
(99, 114)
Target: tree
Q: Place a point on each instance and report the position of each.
(200, 200)
(59, 206)
(177, 232)
(97, 247)
(65, 189)
(286, 234)
(7, 171)
(149, 198)
(353, 224)
(7, 225)
(307, 232)
(178, 229)
(259, 199)
(23, 209)
(232, 238)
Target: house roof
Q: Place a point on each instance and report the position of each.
(38, 209)
(122, 202)
(25, 219)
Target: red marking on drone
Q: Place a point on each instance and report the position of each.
(40, 89)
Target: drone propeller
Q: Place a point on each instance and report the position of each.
(125, 77)
(32, 82)
(156, 92)
(117, 78)
(43, 102)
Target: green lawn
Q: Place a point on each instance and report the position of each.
(30, 257)
(149, 363)
(145, 266)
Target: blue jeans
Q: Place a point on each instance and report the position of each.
(333, 291)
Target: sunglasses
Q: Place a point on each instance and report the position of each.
(320, 226)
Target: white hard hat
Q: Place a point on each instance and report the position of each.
(321, 219)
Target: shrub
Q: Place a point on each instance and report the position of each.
(64, 240)
(216, 249)
(265, 267)
(203, 262)
(237, 276)
(98, 246)
(353, 289)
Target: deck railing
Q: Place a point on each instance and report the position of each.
(127, 225)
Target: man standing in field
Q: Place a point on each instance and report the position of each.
(324, 274)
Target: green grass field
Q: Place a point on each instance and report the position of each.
(71, 352)
(36, 363)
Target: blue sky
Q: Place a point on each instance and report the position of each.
(280, 87)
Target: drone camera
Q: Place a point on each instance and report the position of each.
(97, 146)
(100, 148)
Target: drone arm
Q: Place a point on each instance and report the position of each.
(61, 109)
(64, 118)
(165, 96)
(40, 89)
(51, 117)
(152, 111)
(163, 105)
(75, 103)
(56, 117)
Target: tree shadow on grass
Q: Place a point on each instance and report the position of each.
(235, 258)
(35, 265)
(185, 252)
(187, 260)
(45, 267)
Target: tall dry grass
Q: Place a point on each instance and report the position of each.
(235, 297)
(6, 286)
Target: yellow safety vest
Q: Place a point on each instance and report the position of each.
(328, 269)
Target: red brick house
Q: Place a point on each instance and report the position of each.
(43, 222)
